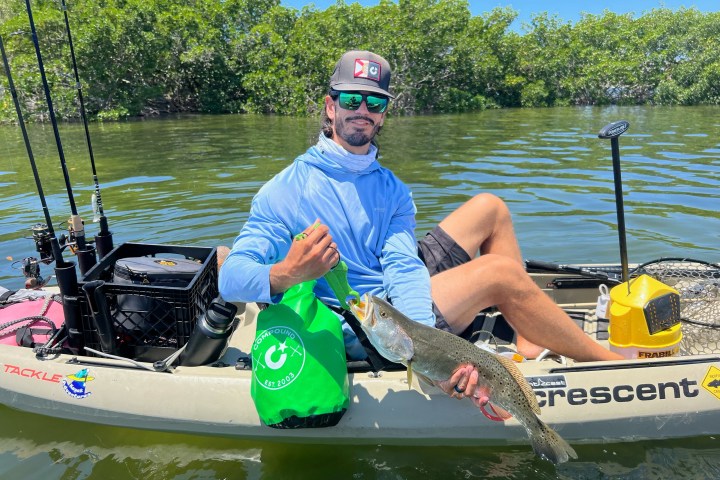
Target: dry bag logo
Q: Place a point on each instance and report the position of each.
(278, 357)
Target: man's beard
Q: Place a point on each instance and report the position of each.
(353, 137)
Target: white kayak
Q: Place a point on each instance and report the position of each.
(654, 398)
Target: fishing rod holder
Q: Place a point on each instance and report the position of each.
(104, 239)
(69, 290)
(86, 259)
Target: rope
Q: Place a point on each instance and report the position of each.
(32, 321)
(52, 346)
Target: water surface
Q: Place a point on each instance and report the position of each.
(190, 180)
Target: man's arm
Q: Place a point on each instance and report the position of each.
(263, 240)
(251, 271)
(405, 277)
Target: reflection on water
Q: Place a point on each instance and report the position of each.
(35, 447)
(190, 180)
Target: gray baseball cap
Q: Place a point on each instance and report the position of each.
(361, 70)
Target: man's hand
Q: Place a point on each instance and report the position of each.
(312, 254)
(465, 379)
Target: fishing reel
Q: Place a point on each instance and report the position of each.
(41, 237)
(30, 267)
(75, 240)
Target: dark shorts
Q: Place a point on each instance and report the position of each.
(440, 252)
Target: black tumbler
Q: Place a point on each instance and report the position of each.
(211, 334)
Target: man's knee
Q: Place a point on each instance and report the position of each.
(508, 267)
(503, 274)
(489, 204)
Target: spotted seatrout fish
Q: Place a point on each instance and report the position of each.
(435, 355)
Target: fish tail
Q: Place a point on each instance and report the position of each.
(549, 445)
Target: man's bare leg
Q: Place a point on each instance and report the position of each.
(496, 280)
(484, 225)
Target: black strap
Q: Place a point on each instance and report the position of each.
(377, 362)
(5, 295)
(25, 335)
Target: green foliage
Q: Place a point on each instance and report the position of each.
(148, 57)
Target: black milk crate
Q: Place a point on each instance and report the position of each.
(168, 314)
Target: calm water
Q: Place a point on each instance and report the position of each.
(190, 180)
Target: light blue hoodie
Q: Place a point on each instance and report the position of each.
(371, 216)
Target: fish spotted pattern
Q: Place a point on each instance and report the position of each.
(435, 355)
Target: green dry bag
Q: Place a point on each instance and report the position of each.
(298, 359)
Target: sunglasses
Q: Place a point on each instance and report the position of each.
(352, 101)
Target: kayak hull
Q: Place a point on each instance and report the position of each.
(584, 402)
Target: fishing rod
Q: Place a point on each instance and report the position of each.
(103, 240)
(85, 254)
(55, 250)
(44, 235)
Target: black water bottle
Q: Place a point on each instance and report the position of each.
(211, 334)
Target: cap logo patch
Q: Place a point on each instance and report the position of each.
(367, 69)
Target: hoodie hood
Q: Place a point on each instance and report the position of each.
(331, 157)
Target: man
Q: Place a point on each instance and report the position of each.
(347, 204)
